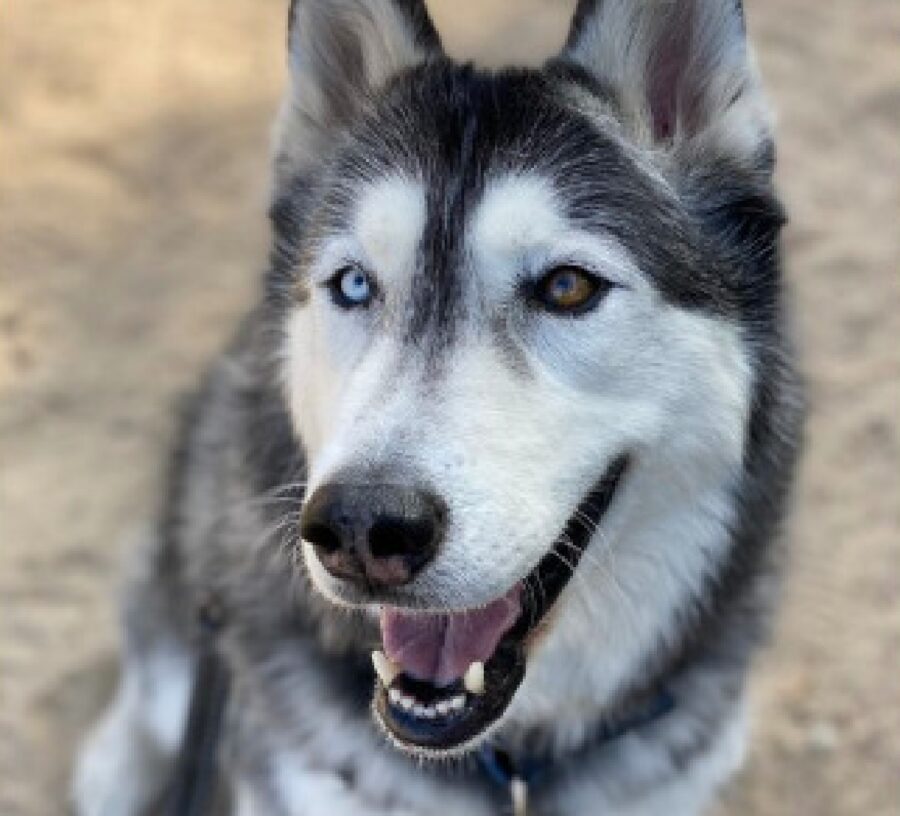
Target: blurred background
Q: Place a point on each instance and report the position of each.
(133, 185)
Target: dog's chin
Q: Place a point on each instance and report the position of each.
(445, 697)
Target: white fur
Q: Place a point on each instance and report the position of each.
(126, 760)
(518, 229)
(514, 453)
(304, 791)
(387, 227)
(683, 794)
(305, 762)
(301, 786)
(637, 375)
(389, 221)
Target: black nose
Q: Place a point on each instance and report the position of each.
(373, 535)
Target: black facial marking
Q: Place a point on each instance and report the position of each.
(454, 128)
(453, 181)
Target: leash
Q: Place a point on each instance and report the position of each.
(516, 776)
(194, 780)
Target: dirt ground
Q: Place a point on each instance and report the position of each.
(133, 182)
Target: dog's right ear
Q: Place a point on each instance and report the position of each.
(339, 53)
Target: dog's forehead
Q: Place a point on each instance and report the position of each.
(514, 214)
(517, 214)
(388, 222)
(451, 131)
(457, 166)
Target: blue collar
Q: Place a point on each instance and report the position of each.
(520, 773)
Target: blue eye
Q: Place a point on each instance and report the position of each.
(352, 287)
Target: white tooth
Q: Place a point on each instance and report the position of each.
(385, 668)
(518, 792)
(406, 703)
(419, 710)
(458, 703)
(474, 679)
(394, 695)
(443, 708)
(430, 712)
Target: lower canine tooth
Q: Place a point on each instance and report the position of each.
(474, 678)
(385, 668)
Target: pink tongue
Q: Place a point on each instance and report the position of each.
(439, 648)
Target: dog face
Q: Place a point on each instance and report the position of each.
(516, 340)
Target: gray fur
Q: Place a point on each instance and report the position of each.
(690, 199)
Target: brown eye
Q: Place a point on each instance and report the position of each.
(569, 290)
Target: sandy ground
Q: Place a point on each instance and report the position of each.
(133, 150)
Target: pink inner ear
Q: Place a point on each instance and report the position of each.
(664, 80)
(671, 99)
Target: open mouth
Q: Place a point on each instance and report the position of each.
(444, 678)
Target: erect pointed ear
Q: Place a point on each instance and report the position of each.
(681, 70)
(339, 53)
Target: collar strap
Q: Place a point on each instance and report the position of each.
(518, 774)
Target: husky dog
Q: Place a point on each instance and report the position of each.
(499, 461)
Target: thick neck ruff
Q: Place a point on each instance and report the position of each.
(513, 775)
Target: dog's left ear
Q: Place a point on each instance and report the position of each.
(341, 52)
(681, 71)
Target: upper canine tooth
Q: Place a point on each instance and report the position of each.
(474, 679)
(385, 668)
